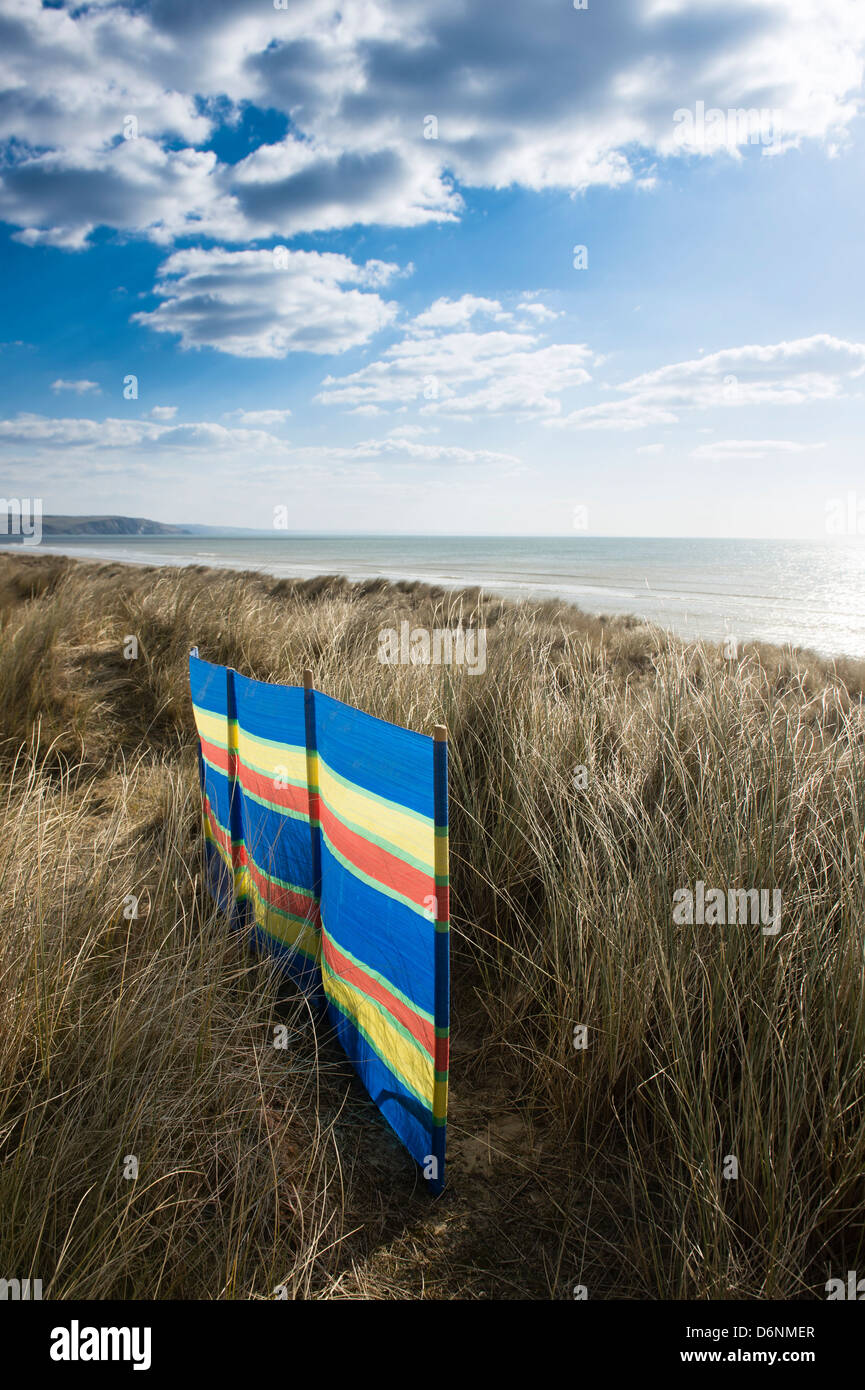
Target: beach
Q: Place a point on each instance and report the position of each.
(809, 595)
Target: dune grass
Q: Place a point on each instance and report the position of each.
(596, 767)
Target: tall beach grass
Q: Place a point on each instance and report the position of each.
(597, 766)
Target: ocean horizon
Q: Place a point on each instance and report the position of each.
(809, 594)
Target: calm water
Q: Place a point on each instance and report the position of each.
(806, 593)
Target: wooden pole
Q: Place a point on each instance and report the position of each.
(312, 780)
(441, 1005)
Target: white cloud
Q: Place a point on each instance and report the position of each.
(410, 451)
(728, 450)
(819, 368)
(457, 313)
(786, 373)
(263, 419)
(565, 100)
(47, 432)
(163, 412)
(465, 373)
(264, 304)
(59, 198)
(633, 413)
(81, 388)
(539, 312)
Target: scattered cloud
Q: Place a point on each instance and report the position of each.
(389, 108)
(260, 419)
(786, 373)
(461, 372)
(80, 388)
(539, 312)
(633, 413)
(457, 313)
(819, 368)
(410, 451)
(268, 304)
(46, 432)
(729, 450)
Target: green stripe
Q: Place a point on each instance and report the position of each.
(380, 800)
(267, 773)
(271, 742)
(373, 882)
(424, 866)
(286, 811)
(424, 1100)
(271, 878)
(380, 979)
(380, 1009)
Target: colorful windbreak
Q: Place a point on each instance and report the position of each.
(326, 834)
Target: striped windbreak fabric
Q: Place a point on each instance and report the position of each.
(326, 834)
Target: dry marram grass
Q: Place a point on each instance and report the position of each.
(262, 1168)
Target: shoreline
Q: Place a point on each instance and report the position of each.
(683, 606)
(640, 640)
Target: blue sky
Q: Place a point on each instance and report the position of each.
(328, 313)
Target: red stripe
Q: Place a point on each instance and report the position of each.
(371, 859)
(221, 836)
(220, 757)
(386, 868)
(287, 798)
(419, 1028)
(298, 904)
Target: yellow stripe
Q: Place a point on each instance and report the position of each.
(284, 760)
(302, 934)
(440, 1100)
(441, 858)
(213, 727)
(406, 833)
(412, 1064)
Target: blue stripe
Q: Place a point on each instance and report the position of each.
(406, 1116)
(387, 761)
(208, 686)
(386, 936)
(274, 712)
(278, 844)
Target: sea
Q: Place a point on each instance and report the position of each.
(808, 594)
